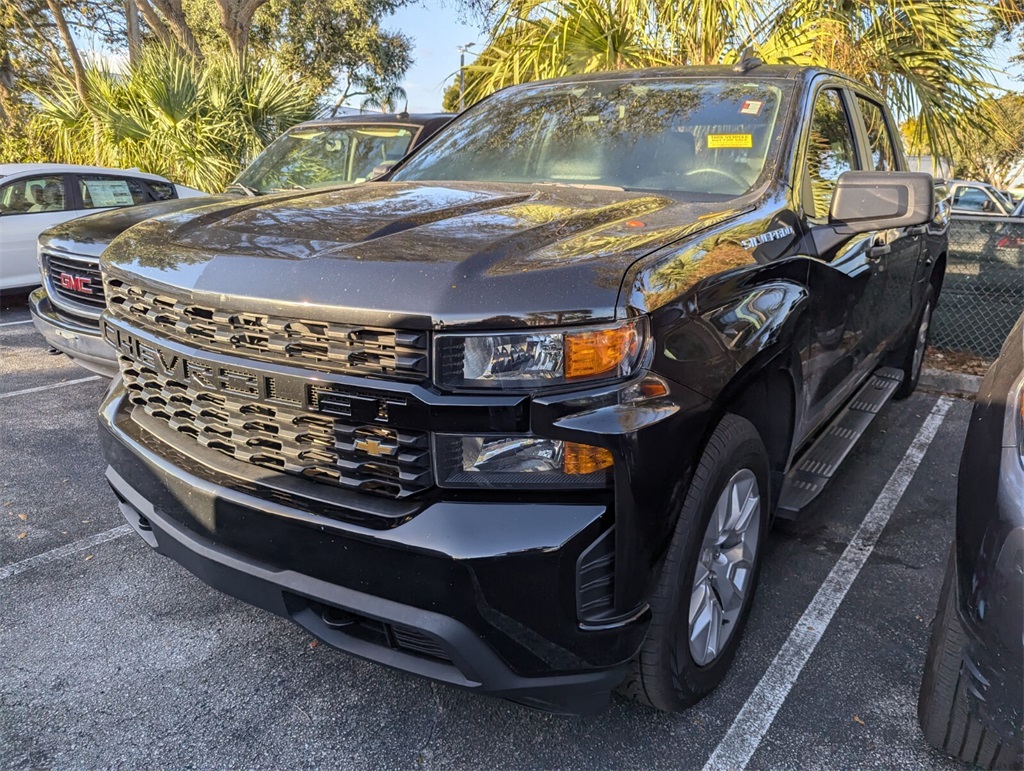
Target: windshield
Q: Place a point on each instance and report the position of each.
(707, 138)
(320, 156)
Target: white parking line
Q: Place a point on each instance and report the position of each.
(63, 551)
(753, 721)
(37, 389)
(12, 323)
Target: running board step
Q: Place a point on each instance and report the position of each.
(808, 477)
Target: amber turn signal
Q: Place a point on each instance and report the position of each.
(599, 351)
(583, 459)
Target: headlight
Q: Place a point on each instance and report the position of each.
(519, 461)
(533, 359)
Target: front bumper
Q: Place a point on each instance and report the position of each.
(479, 595)
(81, 341)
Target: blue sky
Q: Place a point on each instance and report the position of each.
(437, 33)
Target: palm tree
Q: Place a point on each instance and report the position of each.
(194, 122)
(386, 99)
(927, 57)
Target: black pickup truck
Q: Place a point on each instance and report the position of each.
(518, 417)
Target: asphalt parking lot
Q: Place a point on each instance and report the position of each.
(112, 655)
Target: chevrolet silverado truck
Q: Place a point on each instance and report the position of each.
(328, 152)
(518, 418)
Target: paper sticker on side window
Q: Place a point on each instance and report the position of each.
(730, 141)
(109, 192)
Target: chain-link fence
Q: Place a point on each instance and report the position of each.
(983, 294)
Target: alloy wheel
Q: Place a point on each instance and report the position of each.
(725, 567)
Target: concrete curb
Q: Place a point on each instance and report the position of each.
(949, 382)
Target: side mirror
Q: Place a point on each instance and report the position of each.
(987, 206)
(877, 200)
(380, 170)
(864, 201)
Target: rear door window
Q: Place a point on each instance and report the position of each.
(161, 191)
(106, 192)
(883, 154)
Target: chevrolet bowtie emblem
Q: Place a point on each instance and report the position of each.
(375, 448)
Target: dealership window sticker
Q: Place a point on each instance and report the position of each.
(730, 141)
(109, 192)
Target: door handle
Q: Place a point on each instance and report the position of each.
(879, 247)
(917, 230)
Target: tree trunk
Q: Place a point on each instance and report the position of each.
(169, 15)
(131, 14)
(72, 49)
(156, 23)
(236, 21)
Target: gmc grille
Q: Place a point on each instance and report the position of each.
(319, 345)
(65, 272)
(366, 458)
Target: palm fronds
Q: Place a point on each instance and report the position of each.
(194, 122)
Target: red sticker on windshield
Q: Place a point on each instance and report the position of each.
(751, 107)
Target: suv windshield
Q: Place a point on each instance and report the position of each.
(705, 138)
(325, 155)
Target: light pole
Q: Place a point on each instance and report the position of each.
(462, 74)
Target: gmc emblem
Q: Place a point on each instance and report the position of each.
(75, 283)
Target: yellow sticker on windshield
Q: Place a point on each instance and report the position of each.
(723, 141)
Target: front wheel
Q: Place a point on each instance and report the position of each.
(707, 581)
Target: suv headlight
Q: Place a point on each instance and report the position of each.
(528, 360)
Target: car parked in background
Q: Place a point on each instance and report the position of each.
(979, 198)
(972, 696)
(311, 155)
(38, 196)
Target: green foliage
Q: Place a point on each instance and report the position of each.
(297, 52)
(927, 57)
(195, 123)
(23, 138)
(992, 155)
(336, 45)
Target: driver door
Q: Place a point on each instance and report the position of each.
(847, 287)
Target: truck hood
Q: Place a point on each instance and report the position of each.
(409, 255)
(91, 234)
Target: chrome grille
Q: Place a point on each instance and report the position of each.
(321, 345)
(366, 458)
(59, 266)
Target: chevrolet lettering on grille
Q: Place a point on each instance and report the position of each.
(206, 375)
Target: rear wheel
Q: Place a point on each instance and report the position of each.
(944, 708)
(707, 581)
(912, 355)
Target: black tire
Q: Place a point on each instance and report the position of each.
(664, 674)
(944, 709)
(907, 359)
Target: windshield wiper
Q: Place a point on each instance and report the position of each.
(244, 188)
